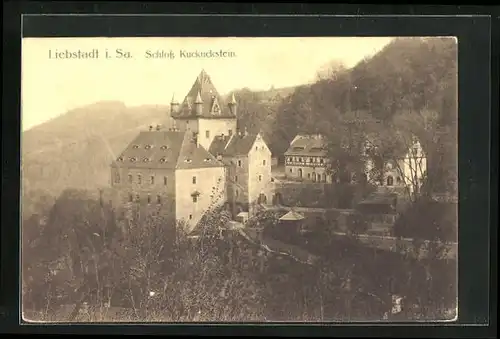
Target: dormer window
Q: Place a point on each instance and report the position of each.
(207, 159)
(188, 160)
(120, 159)
(136, 146)
(163, 160)
(164, 147)
(145, 160)
(148, 147)
(133, 159)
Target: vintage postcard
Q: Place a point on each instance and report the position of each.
(239, 179)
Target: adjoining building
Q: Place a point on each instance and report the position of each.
(306, 159)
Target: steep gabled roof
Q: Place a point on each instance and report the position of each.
(195, 156)
(218, 145)
(165, 149)
(308, 145)
(213, 105)
(238, 145)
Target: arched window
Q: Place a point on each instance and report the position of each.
(139, 179)
(390, 180)
(130, 179)
(398, 180)
(300, 172)
(314, 177)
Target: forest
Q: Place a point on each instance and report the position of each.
(77, 251)
(84, 257)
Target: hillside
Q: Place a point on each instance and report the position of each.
(75, 149)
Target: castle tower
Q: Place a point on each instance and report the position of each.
(205, 112)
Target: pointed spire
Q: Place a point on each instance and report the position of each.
(233, 99)
(198, 99)
(174, 99)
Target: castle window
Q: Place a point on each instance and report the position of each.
(195, 198)
(291, 170)
(139, 179)
(117, 177)
(207, 134)
(149, 199)
(390, 181)
(321, 160)
(130, 179)
(239, 163)
(308, 175)
(260, 177)
(194, 180)
(190, 216)
(152, 180)
(310, 159)
(256, 148)
(165, 181)
(158, 199)
(130, 197)
(263, 163)
(230, 132)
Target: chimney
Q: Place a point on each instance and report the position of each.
(150, 128)
(195, 139)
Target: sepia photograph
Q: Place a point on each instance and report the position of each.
(188, 180)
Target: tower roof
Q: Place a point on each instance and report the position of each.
(174, 99)
(203, 91)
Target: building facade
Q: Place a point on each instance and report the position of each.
(199, 164)
(306, 159)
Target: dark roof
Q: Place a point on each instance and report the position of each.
(165, 149)
(292, 216)
(240, 144)
(307, 145)
(232, 146)
(213, 105)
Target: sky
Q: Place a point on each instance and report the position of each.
(51, 86)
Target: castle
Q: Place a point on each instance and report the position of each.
(203, 162)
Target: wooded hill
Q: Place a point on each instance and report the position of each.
(407, 76)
